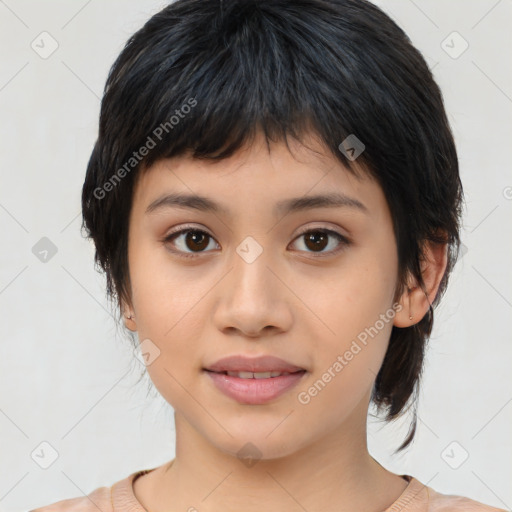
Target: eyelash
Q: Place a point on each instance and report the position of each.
(344, 241)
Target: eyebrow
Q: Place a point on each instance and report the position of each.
(297, 204)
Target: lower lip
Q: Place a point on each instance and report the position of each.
(255, 391)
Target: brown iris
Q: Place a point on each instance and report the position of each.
(198, 238)
(317, 239)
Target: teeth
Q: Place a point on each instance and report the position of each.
(256, 375)
(262, 375)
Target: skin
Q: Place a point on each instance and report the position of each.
(299, 304)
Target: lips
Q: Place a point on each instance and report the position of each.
(254, 380)
(261, 364)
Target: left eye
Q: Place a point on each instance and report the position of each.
(316, 240)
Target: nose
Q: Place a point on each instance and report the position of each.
(253, 300)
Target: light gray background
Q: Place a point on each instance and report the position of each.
(68, 377)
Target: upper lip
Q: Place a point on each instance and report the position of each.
(241, 363)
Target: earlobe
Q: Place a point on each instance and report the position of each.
(404, 316)
(416, 300)
(129, 319)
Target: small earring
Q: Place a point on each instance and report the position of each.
(129, 317)
(410, 318)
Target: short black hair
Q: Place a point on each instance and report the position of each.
(202, 77)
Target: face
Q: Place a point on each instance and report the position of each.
(312, 286)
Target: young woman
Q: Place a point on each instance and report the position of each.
(274, 196)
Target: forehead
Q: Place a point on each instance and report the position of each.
(277, 177)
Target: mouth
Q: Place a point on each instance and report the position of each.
(254, 388)
(253, 380)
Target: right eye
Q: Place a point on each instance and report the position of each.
(187, 238)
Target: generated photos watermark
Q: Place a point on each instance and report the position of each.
(144, 150)
(357, 345)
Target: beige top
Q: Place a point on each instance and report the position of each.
(120, 498)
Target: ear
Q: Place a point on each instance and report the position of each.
(128, 316)
(415, 301)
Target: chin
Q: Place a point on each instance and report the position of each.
(254, 443)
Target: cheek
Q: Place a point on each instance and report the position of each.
(171, 314)
(169, 305)
(354, 297)
(163, 290)
(355, 307)
(164, 305)
(347, 363)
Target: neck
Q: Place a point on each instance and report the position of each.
(334, 472)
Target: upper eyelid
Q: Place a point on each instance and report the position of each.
(185, 228)
(303, 231)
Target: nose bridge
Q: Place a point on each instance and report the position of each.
(251, 296)
(250, 279)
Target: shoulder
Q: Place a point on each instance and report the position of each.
(103, 499)
(439, 502)
(99, 499)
